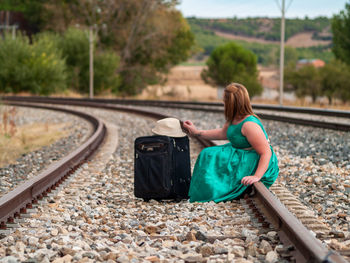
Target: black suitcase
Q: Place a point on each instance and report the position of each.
(162, 168)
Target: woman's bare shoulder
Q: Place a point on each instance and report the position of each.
(250, 127)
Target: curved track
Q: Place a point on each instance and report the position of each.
(218, 107)
(309, 248)
(21, 198)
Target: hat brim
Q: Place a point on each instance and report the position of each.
(170, 134)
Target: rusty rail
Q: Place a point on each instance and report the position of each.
(18, 200)
(165, 103)
(310, 248)
(214, 107)
(307, 245)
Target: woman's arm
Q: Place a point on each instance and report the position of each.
(258, 141)
(215, 134)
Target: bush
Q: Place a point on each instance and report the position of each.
(341, 35)
(13, 55)
(232, 63)
(105, 77)
(336, 81)
(52, 61)
(37, 68)
(48, 71)
(332, 81)
(75, 47)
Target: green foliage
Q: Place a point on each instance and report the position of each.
(265, 28)
(52, 61)
(148, 36)
(267, 54)
(13, 68)
(105, 77)
(321, 52)
(332, 81)
(37, 68)
(232, 63)
(336, 81)
(33, 11)
(145, 61)
(307, 81)
(341, 35)
(181, 46)
(206, 39)
(290, 55)
(75, 48)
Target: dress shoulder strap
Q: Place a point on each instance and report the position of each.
(252, 118)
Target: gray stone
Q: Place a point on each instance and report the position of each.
(272, 234)
(206, 250)
(265, 247)
(123, 259)
(238, 251)
(271, 257)
(33, 241)
(9, 259)
(193, 257)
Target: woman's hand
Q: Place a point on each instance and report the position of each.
(248, 180)
(191, 129)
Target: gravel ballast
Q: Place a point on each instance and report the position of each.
(97, 218)
(30, 164)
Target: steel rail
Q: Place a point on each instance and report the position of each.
(218, 107)
(22, 197)
(91, 103)
(308, 110)
(308, 246)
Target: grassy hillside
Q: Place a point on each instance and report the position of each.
(266, 29)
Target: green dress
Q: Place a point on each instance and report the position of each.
(219, 169)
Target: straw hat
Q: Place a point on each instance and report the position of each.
(169, 127)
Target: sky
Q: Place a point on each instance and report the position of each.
(260, 8)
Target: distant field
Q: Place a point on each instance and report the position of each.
(184, 83)
(298, 40)
(305, 39)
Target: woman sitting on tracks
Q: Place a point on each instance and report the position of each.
(224, 172)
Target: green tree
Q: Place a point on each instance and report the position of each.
(105, 78)
(291, 55)
(232, 63)
(332, 81)
(75, 48)
(341, 34)
(343, 93)
(335, 80)
(149, 36)
(306, 81)
(36, 67)
(33, 12)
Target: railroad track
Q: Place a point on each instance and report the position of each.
(23, 197)
(297, 115)
(263, 205)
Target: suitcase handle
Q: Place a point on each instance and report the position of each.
(150, 147)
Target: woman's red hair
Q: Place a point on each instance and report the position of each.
(237, 102)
